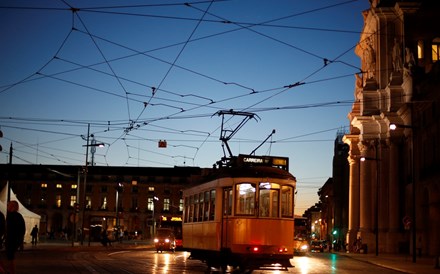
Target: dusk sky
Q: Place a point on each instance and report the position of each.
(143, 71)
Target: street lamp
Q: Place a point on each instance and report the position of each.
(376, 213)
(87, 145)
(154, 215)
(413, 180)
(119, 188)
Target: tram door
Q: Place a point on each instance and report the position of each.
(226, 214)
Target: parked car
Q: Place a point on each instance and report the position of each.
(317, 246)
(164, 240)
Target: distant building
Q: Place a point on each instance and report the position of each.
(147, 196)
(394, 194)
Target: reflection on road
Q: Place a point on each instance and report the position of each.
(302, 264)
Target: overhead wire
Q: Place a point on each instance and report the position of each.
(225, 99)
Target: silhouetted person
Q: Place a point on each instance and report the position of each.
(2, 238)
(34, 234)
(15, 229)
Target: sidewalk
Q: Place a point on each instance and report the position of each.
(402, 263)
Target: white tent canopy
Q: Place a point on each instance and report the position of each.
(30, 218)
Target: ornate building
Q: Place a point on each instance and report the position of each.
(394, 197)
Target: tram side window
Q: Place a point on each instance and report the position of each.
(206, 206)
(201, 207)
(268, 200)
(212, 206)
(245, 199)
(196, 207)
(191, 209)
(185, 212)
(287, 201)
(227, 201)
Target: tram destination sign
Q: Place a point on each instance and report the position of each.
(274, 161)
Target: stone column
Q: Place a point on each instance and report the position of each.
(393, 199)
(366, 199)
(353, 201)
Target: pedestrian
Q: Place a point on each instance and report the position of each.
(2, 238)
(34, 234)
(15, 229)
(105, 240)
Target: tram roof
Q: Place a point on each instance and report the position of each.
(251, 171)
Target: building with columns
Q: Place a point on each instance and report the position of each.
(394, 181)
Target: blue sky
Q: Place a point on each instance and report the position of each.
(143, 71)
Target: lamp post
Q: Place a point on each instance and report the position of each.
(154, 215)
(413, 181)
(376, 210)
(119, 189)
(83, 200)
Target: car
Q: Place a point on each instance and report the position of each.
(301, 247)
(316, 246)
(164, 240)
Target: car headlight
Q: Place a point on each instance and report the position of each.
(156, 240)
(167, 240)
(304, 247)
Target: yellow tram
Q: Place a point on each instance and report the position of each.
(243, 215)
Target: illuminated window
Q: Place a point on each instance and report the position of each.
(88, 202)
(150, 205)
(104, 202)
(166, 204)
(268, 199)
(287, 201)
(181, 205)
(420, 50)
(74, 186)
(245, 199)
(435, 49)
(72, 200)
(58, 200)
(59, 186)
(43, 185)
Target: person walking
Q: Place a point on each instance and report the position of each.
(34, 234)
(2, 238)
(15, 229)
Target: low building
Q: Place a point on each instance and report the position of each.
(71, 201)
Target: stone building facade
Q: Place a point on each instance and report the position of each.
(148, 197)
(394, 197)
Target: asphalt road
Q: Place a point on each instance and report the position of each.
(145, 260)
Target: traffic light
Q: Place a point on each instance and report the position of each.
(335, 232)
